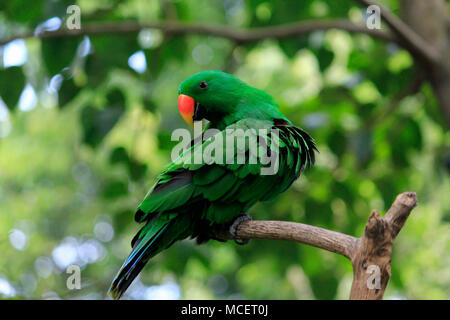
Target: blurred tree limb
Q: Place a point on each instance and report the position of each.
(370, 255)
(238, 35)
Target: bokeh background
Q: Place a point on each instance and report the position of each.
(85, 125)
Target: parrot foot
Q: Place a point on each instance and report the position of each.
(233, 228)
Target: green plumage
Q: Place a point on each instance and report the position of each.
(189, 199)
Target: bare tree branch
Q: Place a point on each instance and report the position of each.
(238, 35)
(409, 38)
(298, 232)
(371, 258)
(368, 254)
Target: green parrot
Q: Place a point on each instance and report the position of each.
(192, 199)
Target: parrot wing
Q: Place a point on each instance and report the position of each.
(228, 179)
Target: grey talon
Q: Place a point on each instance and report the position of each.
(233, 228)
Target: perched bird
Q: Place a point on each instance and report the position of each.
(191, 198)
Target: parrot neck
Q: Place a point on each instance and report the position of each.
(261, 112)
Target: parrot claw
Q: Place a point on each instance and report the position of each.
(233, 228)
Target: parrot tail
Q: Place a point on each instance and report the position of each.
(154, 237)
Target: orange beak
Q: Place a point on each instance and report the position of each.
(186, 105)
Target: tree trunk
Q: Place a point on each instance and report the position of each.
(431, 20)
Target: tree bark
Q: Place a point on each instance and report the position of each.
(370, 255)
(371, 258)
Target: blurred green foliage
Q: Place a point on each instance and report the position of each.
(88, 137)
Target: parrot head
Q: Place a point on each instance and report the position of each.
(210, 95)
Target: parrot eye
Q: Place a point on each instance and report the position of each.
(203, 85)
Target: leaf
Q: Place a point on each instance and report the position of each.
(135, 168)
(118, 155)
(337, 142)
(108, 52)
(373, 66)
(291, 47)
(12, 82)
(149, 105)
(387, 188)
(169, 51)
(59, 53)
(164, 140)
(67, 92)
(115, 189)
(57, 8)
(97, 123)
(324, 57)
(29, 12)
(406, 137)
